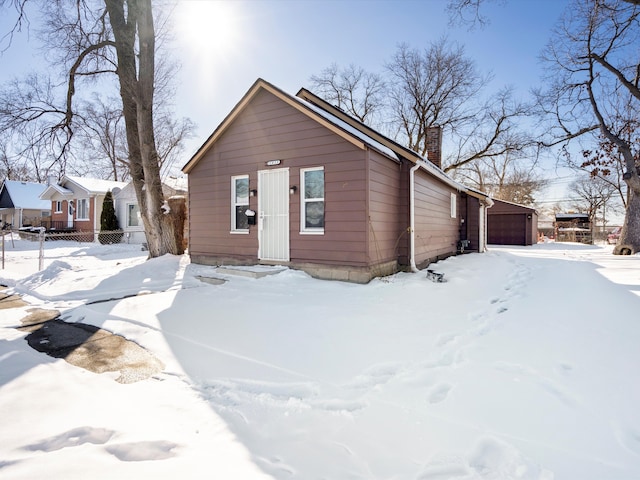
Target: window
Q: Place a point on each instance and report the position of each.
(312, 208)
(133, 215)
(454, 207)
(239, 203)
(82, 209)
(58, 206)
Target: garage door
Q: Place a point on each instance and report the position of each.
(507, 229)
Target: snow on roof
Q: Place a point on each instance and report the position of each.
(348, 128)
(177, 183)
(353, 130)
(27, 194)
(95, 185)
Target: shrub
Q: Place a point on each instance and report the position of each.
(109, 228)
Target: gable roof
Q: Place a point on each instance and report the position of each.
(93, 186)
(341, 128)
(70, 185)
(335, 120)
(16, 194)
(513, 204)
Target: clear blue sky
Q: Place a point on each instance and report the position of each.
(287, 41)
(224, 46)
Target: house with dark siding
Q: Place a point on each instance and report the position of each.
(292, 180)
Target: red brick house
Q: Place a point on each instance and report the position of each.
(292, 180)
(76, 202)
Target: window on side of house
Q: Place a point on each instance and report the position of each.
(239, 203)
(312, 199)
(454, 205)
(82, 209)
(133, 215)
(58, 206)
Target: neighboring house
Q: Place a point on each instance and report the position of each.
(76, 202)
(512, 224)
(573, 227)
(128, 210)
(292, 180)
(21, 205)
(546, 226)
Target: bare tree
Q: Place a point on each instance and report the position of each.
(352, 89)
(102, 137)
(604, 163)
(468, 12)
(506, 178)
(593, 195)
(103, 144)
(116, 38)
(494, 134)
(431, 87)
(10, 169)
(435, 87)
(593, 73)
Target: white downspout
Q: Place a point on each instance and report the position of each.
(412, 214)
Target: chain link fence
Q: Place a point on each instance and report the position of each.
(31, 241)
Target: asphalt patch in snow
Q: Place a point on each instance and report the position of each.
(88, 347)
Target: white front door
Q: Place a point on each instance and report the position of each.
(273, 215)
(70, 210)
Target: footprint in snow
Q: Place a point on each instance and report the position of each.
(73, 438)
(143, 451)
(439, 393)
(446, 339)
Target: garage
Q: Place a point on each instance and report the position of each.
(511, 224)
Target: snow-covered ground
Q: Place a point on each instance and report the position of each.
(523, 365)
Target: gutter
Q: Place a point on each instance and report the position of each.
(412, 219)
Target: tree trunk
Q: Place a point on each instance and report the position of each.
(629, 242)
(136, 91)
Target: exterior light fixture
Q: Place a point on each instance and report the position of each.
(293, 190)
(253, 193)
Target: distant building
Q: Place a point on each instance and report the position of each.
(76, 202)
(128, 210)
(573, 227)
(21, 205)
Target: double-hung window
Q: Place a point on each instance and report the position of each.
(133, 215)
(239, 203)
(82, 209)
(58, 206)
(312, 198)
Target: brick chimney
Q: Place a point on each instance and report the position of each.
(434, 145)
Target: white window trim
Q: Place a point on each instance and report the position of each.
(454, 205)
(58, 208)
(128, 216)
(234, 230)
(77, 208)
(303, 229)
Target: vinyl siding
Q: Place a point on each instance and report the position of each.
(269, 129)
(436, 233)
